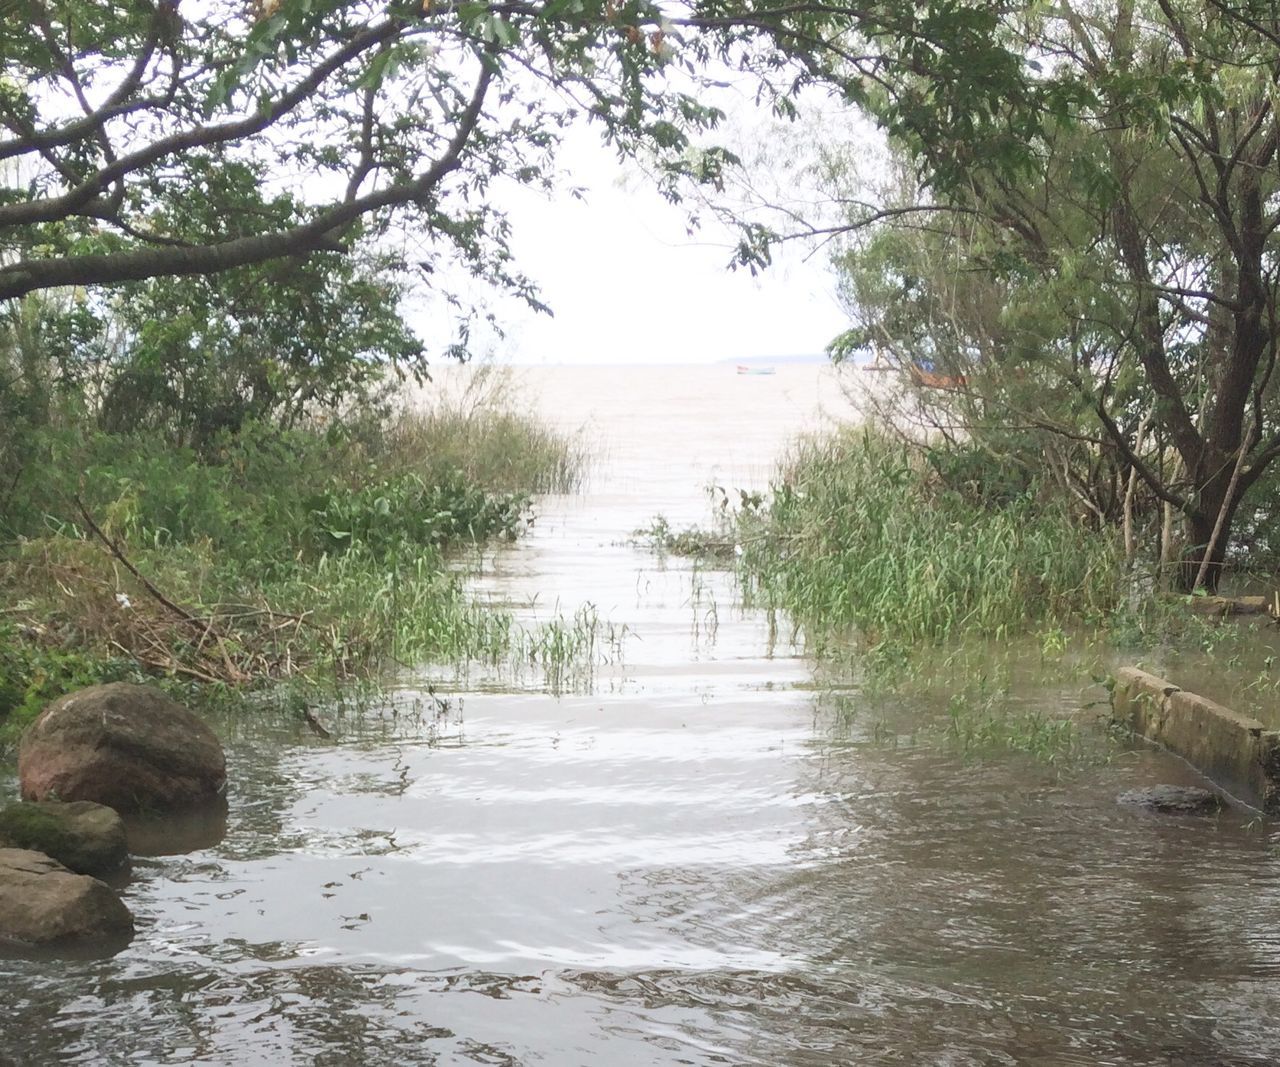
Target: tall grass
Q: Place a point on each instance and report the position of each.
(861, 536)
(321, 554)
(480, 429)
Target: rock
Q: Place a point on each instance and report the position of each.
(126, 746)
(1173, 799)
(86, 837)
(42, 903)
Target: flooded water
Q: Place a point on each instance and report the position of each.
(703, 856)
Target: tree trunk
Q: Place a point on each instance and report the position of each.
(1200, 530)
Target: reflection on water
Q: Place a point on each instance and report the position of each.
(704, 859)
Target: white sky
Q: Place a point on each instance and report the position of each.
(628, 284)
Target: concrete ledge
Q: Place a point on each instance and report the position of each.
(1236, 752)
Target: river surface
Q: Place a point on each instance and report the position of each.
(704, 854)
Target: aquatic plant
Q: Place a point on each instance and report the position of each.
(861, 538)
(693, 541)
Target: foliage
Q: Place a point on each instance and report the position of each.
(32, 674)
(120, 119)
(861, 536)
(304, 553)
(390, 516)
(277, 342)
(1112, 284)
(715, 545)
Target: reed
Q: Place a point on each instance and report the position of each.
(862, 537)
(483, 431)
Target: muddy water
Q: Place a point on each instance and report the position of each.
(701, 857)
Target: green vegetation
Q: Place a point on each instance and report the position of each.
(945, 588)
(313, 551)
(864, 536)
(1110, 299)
(715, 546)
(950, 590)
(189, 163)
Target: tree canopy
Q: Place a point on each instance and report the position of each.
(117, 115)
(1119, 263)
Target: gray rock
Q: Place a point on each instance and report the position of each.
(43, 903)
(126, 746)
(86, 837)
(1173, 799)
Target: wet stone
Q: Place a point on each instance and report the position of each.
(127, 746)
(85, 837)
(1173, 799)
(43, 903)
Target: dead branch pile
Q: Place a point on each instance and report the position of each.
(89, 593)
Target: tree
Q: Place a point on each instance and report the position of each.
(419, 109)
(117, 111)
(1124, 231)
(271, 342)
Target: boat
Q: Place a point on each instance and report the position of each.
(743, 369)
(927, 378)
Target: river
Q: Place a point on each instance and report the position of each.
(701, 854)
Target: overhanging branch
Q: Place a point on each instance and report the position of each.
(30, 275)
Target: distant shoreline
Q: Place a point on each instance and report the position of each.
(729, 361)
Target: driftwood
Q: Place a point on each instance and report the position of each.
(1226, 605)
(205, 629)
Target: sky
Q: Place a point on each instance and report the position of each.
(627, 284)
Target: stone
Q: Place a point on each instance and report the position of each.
(1228, 605)
(1173, 799)
(86, 837)
(43, 903)
(126, 746)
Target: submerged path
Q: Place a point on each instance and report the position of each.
(702, 857)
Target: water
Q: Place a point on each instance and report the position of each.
(703, 857)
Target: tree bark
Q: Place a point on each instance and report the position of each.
(1201, 526)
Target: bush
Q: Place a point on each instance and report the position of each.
(315, 552)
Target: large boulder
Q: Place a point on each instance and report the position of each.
(127, 746)
(88, 838)
(43, 903)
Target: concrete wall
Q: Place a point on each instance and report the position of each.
(1236, 752)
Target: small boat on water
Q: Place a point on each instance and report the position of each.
(743, 369)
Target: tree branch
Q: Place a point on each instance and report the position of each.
(29, 275)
